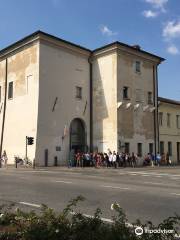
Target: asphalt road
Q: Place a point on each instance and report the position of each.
(144, 193)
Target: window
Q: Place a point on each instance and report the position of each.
(139, 149)
(161, 148)
(10, 90)
(170, 148)
(138, 66)
(126, 147)
(168, 119)
(0, 94)
(150, 100)
(150, 147)
(138, 95)
(125, 93)
(160, 119)
(79, 92)
(178, 121)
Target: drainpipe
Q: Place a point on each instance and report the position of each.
(4, 110)
(91, 105)
(155, 105)
(157, 116)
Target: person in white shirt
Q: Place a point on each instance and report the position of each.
(110, 159)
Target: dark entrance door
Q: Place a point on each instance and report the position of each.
(77, 135)
(178, 152)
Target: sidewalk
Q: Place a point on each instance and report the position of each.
(93, 169)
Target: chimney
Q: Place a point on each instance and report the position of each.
(137, 47)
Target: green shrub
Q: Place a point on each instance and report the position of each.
(49, 225)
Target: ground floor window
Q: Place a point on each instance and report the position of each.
(170, 148)
(150, 147)
(161, 147)
(126, 147)
(139, 149)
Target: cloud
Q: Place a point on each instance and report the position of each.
(171, 30)
(158, 4)
(106, 31)
(172, 49)
(150, 14)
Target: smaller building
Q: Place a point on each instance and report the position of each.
(169, 128)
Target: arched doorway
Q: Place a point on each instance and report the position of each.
(77, 135)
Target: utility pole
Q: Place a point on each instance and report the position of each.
(26, 147)
(4, 110)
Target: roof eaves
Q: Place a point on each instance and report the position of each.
(128, 46)
(19, 42)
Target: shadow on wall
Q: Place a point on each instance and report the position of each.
(100, 110)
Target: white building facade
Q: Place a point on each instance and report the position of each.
(69, 98)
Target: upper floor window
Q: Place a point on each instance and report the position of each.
(125, 92)
(150, 98)
(160, 119)
(178, 121)
(168, 119)
(10, 90)
(138, 66)
(79, 92)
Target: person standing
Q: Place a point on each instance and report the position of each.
(167, 159)
(133, 160)
(4, 158)
(158, 158)
(114, 158)
(110, 159)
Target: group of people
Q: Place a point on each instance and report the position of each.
(158, 160)
(109, 160)
(115, 159)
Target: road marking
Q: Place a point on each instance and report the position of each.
(154, 183)
(133, 174)
(30, 204)
(103, 219)
(122, 188)
(90, 216)
(66, 182)
(177, 194)
(145, 175)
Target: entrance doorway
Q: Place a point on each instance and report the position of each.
(178, 152)
(77, 135)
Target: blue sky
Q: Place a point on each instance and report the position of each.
(153, 24)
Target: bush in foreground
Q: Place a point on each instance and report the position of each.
(68, 225)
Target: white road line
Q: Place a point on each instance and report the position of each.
(90, 216)
(154, 183)
(177, 194)
(133, 174)
(145, 175)
(66, 182)
(122, 188)
(103, 219)
(30, 204)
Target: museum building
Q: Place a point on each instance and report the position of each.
(68, 98)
